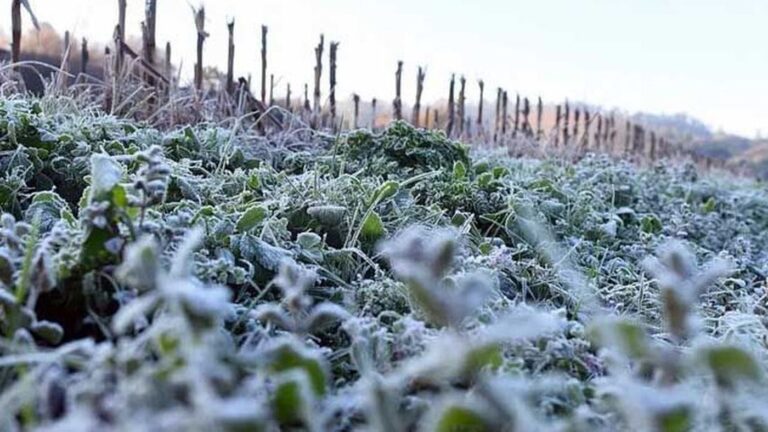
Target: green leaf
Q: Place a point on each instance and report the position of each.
(288, 403)
(729, 364)
(651, 224)
(287, 357)
(484, 180)
(385, 191)
(459, 170)
(625, 335)
(251, 218)
(373, 227)
(460, 418)
(676, 420)
(481, 357)
(709, 205)
(106, 173)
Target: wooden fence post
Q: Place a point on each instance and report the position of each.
(318, 76)
(587, 124)
(504, 102)
(420, 75)
(539, 113)
(307, 108)
(496, 117)
(397, 104)
(527, 130)
(84, 56)
(231, 57)
(148, 28)
(373, 114)
(16, 32)
(652, 153)
(607, 134)
(120, 35)
(517, 116)
(599, 132)
(481, 84)
(576, 118)
(451, 108)
(436, 119)
(567, 114)
(356, 101)
(612, 135)
(66, 53)
(627, 137)
(557, 125)
(333, 50)
(271, 89)
(264, 30)
(168, 64)
(288, 97)
(201, 35)
(462, 105)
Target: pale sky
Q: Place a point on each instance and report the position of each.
(708, 58)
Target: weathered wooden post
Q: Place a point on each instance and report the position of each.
(420, 75)
(333, 50)
(517, 116)
(264, 31)
(15, 32)
(373, 114)
(436, 118)
(168, 65)
(557, 125)
(497, 116)
(84, 56)
(567, 114)
(539, 113)
(481, 84)
(318, 75)
(120, 36)
(504, 103)
(148, 28)
(397, 104)
(576, 118)
(627, 137)
(65, 55)
(307, 108)
(527, 130)
(201, 35)
(356, 101)
(612, 135)
(231, 57)
(271, 89)
(652, 153)
(288, 97)
(587, 124)
(451, 114)
(462, 105)
(599, 133)
(607, 135)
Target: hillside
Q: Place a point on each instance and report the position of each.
(202, 278)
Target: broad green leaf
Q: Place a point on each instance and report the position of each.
(373, 227)
(730, 364)
(651, 224)
(459, 170)
(251, 218)
(288, 358)
(385, 191)
(459, 418)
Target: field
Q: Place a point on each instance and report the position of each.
(201, 277)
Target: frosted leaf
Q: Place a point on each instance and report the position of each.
(106, 173)
(139, 268)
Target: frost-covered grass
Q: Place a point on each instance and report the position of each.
(199, 279)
